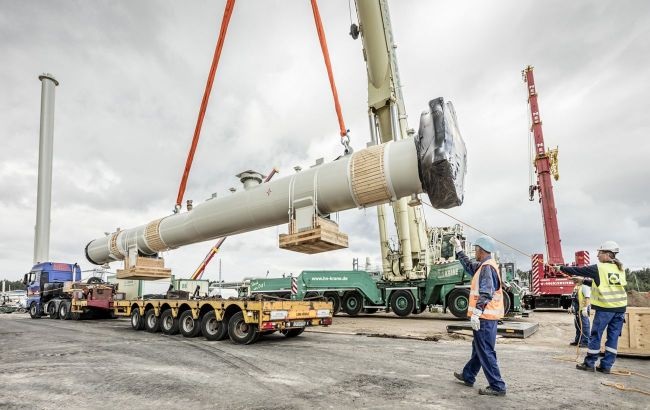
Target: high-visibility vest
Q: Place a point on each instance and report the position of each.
(577, 290)
(494, 309)
(610, 293)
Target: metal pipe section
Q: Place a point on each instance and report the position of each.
(383, 239)
(394, 122)
(371, 176)
(373, 127)
(45, 153)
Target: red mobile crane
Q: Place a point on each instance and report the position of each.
(549, 290)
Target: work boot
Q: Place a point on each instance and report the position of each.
(584, 367)
(573, 344)
(489, 391)
(460, 378)
(603, 370)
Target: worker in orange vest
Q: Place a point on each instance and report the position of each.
(485, 309)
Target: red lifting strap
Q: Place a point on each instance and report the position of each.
(230, 4)
(326, 57)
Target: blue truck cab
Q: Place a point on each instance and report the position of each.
(45, 282)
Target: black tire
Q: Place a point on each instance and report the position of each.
(458, 302)
(64, 310)
(151, 322)
(352, 303)
(168, 323)
(52, 310)
(187, 325)
(212, 328)
(292, 332)
(33, 311)
(335, 299)
(402, 302)
(137, 321)
(507, 303)
(241, 332)
(423, 308)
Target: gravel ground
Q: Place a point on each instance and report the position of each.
(104, 364)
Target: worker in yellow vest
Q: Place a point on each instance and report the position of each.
(609, 300)
(485, 309)
(581, 310)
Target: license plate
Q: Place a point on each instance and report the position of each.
(323, 313)
(299, 323)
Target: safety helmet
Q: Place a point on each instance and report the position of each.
(609, 246)
(486, 243)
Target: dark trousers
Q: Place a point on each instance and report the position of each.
(613, 322)
(484, 356)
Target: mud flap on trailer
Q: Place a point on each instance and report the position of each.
(442, 155)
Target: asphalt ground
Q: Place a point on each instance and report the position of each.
(54, 364)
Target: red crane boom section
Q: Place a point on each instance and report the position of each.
(544, 184)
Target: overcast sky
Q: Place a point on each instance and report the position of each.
(132, 76)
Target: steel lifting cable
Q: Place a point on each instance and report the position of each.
(230, 4)
(345, 138)
(477, 230)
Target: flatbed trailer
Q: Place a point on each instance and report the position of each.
(244, 321)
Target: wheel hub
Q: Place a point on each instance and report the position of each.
(401, 302)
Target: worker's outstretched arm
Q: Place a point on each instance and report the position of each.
(469, 266)
(590, 271)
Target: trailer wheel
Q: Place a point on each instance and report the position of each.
(151, 322)
(33, 311)
(402, 303)
(52, 310)
(241, 332)
(459, 302)
(352, 303)
(292, 332)
(187, 325)
(137, 321)
(335, 299)
(212, 328)
(64, 310)
(168, 323)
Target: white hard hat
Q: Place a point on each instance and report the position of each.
(609, 246)
(486, 243)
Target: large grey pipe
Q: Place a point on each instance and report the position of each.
(371, 176)
(45, 153)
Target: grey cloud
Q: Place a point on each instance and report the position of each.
(132, 76)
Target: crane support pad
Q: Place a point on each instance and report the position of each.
(517, 330)
(442, 155)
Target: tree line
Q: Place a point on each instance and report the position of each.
(638, 280)
(13, 285)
